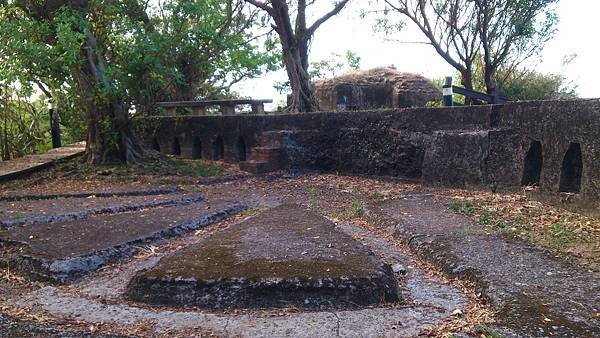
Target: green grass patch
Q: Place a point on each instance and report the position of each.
(467, 208)
(313, 193)
(377, 198)
(356, 207)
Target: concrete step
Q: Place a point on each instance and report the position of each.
(267, 154)
(258, 167)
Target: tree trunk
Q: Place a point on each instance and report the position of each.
(295, 56)
(467, 82)
(295, 47)
(55, 127)
(302, 98)
(187, 90)
(5, 146)
(110, 136)
(490, 74)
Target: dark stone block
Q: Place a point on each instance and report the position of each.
(457, 158)
(285, 256)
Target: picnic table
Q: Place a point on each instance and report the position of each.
(199, 107)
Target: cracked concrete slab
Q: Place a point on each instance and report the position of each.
(15, 213)
(88, 244)
(534, 292)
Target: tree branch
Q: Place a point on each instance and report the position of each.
(261, 5)
(311, 30)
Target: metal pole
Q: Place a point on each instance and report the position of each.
(2, 157)
(4, 131)
(448, 92)
(54, 124)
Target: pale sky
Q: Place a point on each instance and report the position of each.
(577, 34)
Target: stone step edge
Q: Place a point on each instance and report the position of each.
(115, 209)
(35, 197)
(62, 271)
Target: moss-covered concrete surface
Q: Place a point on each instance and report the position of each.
(45, 210)
(66, 249)
(536, 293)
(283, 256)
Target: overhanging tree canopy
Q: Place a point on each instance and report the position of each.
(111, 56)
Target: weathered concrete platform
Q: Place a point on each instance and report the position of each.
(11, 327)
(535, 293)
(87, 244)
(62, 209)
(109, 192)
(28, 164)
(284, 256)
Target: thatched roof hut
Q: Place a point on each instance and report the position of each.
(375, 89)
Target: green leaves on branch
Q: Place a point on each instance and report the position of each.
(504, 33)
(143, 53)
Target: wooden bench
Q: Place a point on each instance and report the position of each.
(199, 107)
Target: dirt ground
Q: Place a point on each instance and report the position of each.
(346, 200)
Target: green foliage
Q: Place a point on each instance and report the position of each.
(23, 128)
(454, 207)
(193, 50)
(386, 24)
(334, 66)
(467, 208)
(487, 331)
(560, 230)
(313, 193)
(170, 51)
(377, 198)
(353, 60)
(487, 217)
(524, 84)
(356, 207)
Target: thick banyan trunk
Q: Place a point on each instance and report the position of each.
(187, 90)
(110, 136)
(302, 98)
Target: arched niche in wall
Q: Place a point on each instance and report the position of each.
(175, 147)
(155, 144)
(241, 149)
(532, 167)
(218, 149)
(197, 148)
(571, 170)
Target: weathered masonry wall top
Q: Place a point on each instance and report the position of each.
(553, 144)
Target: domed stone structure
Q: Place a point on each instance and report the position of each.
(375, 89)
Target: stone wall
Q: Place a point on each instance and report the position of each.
(504, 146)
